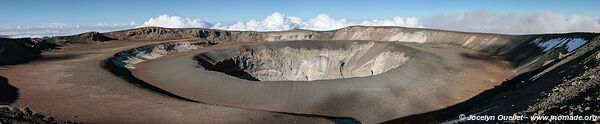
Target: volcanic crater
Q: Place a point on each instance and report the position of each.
(366, 74)
(305, 60)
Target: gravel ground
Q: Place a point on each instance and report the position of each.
(567, 87)
(12, 115)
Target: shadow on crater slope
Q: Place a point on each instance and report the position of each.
(8, 93)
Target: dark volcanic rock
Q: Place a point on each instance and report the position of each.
(16, 115)
(84, 38)
(8, 93)
(15, 51)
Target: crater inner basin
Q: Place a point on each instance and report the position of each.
(305, 60)
(402, 88)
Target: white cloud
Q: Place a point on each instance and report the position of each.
(324, 22)
(472, 21)
(277, 22)
(102, 24)
(487, 21)
(57, 29)
(56, 25)
(110, 25)
(132, 23)
(175, 22)
(273, 22)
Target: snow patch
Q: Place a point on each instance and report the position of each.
(570, 44)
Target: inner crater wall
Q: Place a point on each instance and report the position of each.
(305, 60)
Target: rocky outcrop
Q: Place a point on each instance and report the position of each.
(84, 38)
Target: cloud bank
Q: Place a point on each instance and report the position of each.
(486, 21)
(175, 22)
(471, 21)
(59, 29)
(276, 22)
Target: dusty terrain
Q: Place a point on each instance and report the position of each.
(150, 75)
(399, 92)
(568, 87)
(71, 84)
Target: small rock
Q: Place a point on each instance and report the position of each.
(28, 112)
(4, 109)
(36, 115)
(587, 108)
(15, 110)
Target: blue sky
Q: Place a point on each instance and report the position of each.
(89, 12)
(23, 18)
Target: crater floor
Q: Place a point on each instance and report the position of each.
(70, 84)
(373, 74)
(434, 77)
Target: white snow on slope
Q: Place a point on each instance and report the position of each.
(570, 43)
